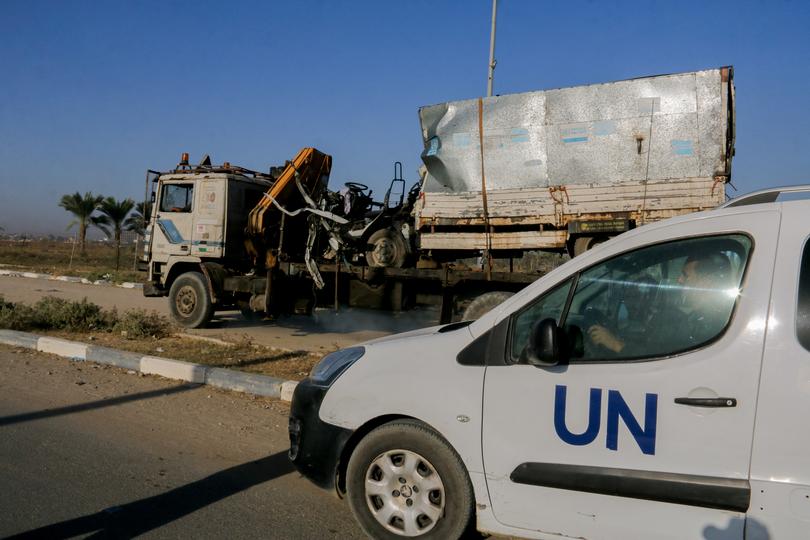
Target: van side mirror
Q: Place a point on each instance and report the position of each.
(546, 343)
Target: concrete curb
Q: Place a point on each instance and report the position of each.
(69, 279)
(227, 379)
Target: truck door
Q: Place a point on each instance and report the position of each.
(209, 219)
(645, 432)
(175, 218)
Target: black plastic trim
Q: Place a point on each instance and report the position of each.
(315, 446)
(707, 402)
(451, 327)
(688, 489)
(488, 349)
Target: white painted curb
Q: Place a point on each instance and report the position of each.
(228, 379)
(173, 369)
(62, 347)
(287, 390)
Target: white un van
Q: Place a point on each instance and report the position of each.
(657, 386)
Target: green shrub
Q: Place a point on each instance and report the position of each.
(139, 323)
(58, 314)
(16, 317)
(51, 313)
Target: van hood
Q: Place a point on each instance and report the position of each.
(431, 330)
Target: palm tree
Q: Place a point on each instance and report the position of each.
(138, 220)
(82, 208)
(114, 214)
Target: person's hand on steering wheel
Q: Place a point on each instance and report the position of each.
(599, 335)
(602, 337)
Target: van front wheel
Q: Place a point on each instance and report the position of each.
(405, 480)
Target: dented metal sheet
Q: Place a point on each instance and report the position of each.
(649, 129)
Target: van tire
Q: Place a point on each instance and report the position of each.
(435, 457)
(484, 303)
(190, 300)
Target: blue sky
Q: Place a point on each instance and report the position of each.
(94, 93)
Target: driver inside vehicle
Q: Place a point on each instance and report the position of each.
(706, 295)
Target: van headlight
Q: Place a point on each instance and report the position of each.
(333, 364)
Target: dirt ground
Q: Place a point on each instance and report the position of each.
(286, 348)
(60, 258)
(242, 355)
(323, 332)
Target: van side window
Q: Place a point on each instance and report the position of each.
(657, 301)
(548, 306)
(176, 197)
(803, 311)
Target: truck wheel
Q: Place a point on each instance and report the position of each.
(386, 248)
(404, 479)
(248, 314)
(484, 303)
(189, 300)
(584, 243)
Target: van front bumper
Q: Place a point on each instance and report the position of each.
(315, 446)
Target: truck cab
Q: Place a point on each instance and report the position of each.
(196, 230)
(645, 389)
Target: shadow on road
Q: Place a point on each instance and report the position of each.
(109, 402)
(138, 517)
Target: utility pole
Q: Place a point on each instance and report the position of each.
(492, 60)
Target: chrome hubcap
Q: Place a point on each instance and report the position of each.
(404, 492)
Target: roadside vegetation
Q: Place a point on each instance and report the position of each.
(110, 260)
(149, 333)
(51, 313)
(55, 257)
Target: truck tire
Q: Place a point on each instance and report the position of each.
(404, 479)
(484, 303)
(386, 248)
(247, 312)
(190, 301)
(584, 243)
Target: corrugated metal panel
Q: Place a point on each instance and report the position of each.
(649, 129)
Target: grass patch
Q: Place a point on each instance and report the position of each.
(51, 257)
(149, 333)
(51, 313)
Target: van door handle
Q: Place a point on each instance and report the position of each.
(707, 402)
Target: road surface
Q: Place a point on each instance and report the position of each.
(325, 330)
(92, 451)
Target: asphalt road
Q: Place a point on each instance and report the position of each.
(94, 451)
(326, 330)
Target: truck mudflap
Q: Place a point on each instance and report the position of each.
(151, 290)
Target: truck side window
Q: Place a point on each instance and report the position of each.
(657, 301)
(548, 306)
(176, 197)
(803, 310)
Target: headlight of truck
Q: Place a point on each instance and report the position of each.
(333, 364)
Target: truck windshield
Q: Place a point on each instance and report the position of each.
(177, 198)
